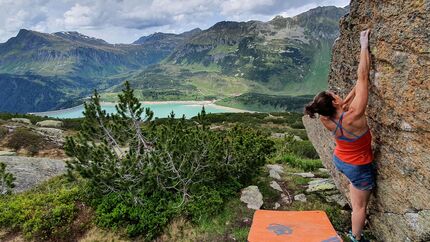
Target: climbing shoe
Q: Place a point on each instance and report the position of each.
(353, 239)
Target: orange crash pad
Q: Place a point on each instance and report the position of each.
(292, 226)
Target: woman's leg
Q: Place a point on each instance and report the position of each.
(359, 201)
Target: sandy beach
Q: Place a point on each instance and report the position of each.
(199, 103)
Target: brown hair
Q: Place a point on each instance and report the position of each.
(322, 104)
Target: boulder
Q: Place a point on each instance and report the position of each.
(53, 135)
(252, 197)
(398, 112)
(21, 120)
(50, 123)
(30, 172)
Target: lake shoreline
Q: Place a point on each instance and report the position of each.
(210, 103)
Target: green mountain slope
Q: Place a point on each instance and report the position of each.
(284, 56)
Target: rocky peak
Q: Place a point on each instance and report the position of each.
(78, 37)
(398, 112)
(157, 36)
(191, 32)
(28, 39)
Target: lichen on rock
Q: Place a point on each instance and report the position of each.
(398, 112)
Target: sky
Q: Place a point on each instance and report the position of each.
(124, 21)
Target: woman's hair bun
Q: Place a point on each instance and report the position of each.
(310, 109)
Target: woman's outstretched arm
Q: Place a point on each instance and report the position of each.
(347, 101)
(359, 103)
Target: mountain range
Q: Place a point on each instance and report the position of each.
(41, 71)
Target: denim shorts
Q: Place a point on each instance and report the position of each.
(361, 177)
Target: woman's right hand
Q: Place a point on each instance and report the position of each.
(364, 38)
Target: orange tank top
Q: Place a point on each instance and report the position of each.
(357, 151)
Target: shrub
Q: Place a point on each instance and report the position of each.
(303, 149)
(43, 213)
(205, 203)
(25, 138)
(6, 180)
(305, 164)
(117, 210)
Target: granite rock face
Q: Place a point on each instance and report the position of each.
(398, 111)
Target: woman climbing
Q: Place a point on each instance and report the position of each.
(353, 153)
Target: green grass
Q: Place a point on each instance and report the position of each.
(223, 49)
(317, 79)
(303, 163)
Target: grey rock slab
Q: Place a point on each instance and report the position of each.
(320, 184)
(252, 197)
(30, 172)
(7, 153)
(21, 120)
(305, 174)
(276, 186)
(50, 123)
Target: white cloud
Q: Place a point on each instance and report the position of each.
(78, 16)
(124, 20)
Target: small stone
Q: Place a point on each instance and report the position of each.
(50, 123)
(285, 199)
(405, 126)
(297, 138)
(274, 174)
(323, 170)
(305, 174)
(277, 205)
(252, 197)
(275, 186)
(300, 197)
(338, 198)
(275, 171)
(21, 120)
(278, 135)
(276, 167)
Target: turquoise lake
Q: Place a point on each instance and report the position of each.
(160, 110)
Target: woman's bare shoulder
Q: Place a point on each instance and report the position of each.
(326, 122)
